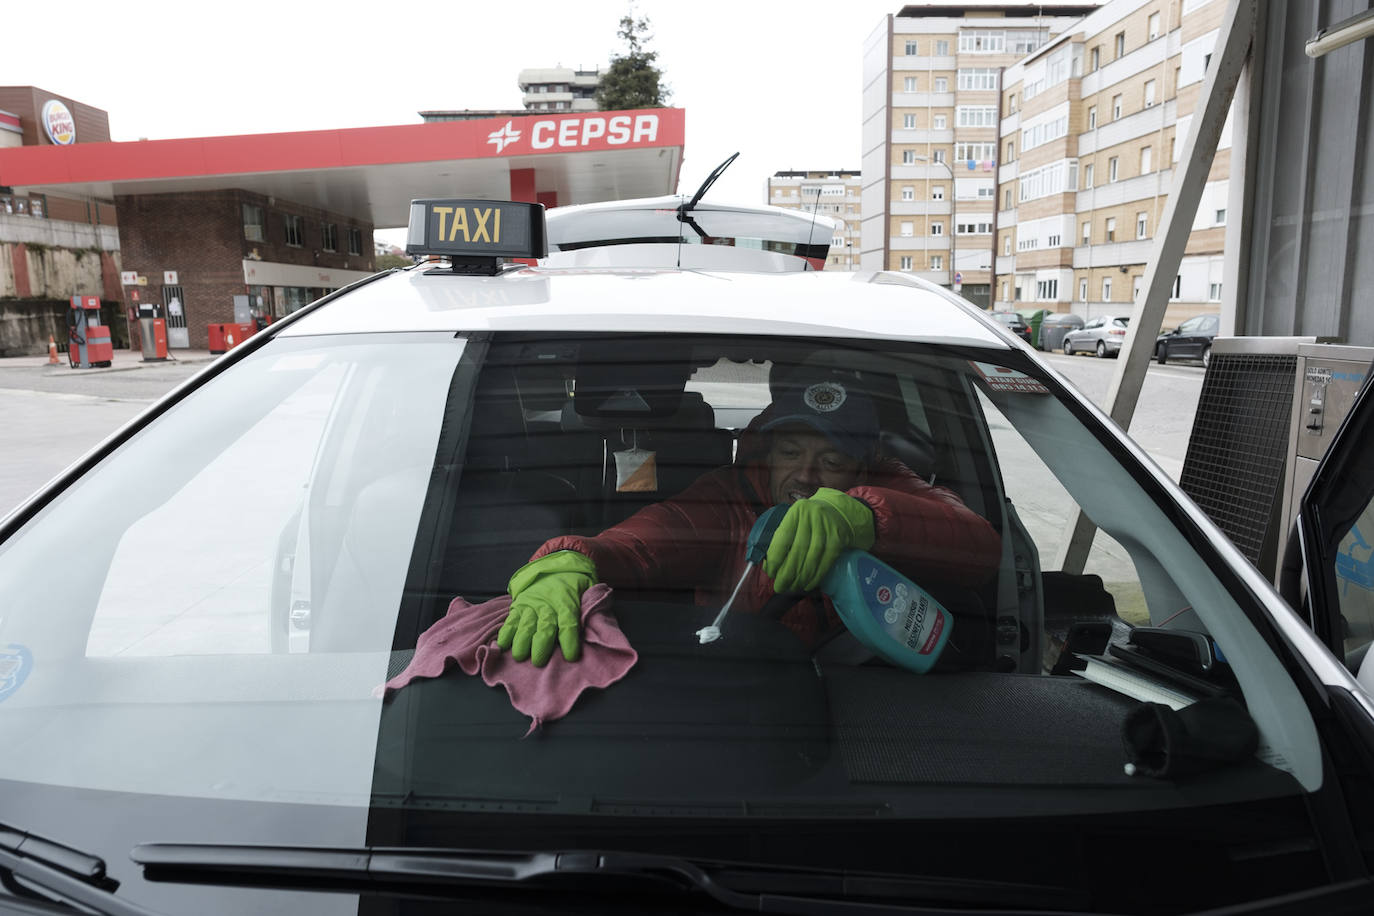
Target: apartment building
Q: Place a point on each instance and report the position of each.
(559, 89)
(933, 81)
(1093, 124)
(834, 194)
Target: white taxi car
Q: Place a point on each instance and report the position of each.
(197, 620)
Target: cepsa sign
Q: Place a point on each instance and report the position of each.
(59, 123)
(585, 132)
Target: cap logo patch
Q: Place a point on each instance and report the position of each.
(823, 397)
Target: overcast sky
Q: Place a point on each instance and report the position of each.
(777, 81)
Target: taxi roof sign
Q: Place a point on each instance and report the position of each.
(476, 232)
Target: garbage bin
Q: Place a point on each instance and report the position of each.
(1033, 320)
(1055, 326)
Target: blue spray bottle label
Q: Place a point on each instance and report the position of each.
(887, 612)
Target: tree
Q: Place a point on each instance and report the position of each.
(388, 261)
(632, 80)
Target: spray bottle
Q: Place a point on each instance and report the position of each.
(886, 611)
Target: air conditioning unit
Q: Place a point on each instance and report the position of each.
(1267, 411)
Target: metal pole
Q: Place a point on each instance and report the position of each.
(1228, 60)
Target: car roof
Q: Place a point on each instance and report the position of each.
(861, 304)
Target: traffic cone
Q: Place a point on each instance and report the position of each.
(52, 352)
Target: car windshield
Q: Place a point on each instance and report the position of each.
(213, 613)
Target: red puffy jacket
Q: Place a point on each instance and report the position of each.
(696, 539)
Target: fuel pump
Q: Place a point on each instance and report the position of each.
(153, 329)
(89, 343)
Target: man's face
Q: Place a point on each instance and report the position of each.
(801, 460)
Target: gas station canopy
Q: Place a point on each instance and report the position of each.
(372, 173)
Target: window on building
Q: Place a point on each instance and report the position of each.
(1214, 292)
(982, 41)
(976, 116)
(329, 236)
(1154, 26)
(974, 152)
(1147, 160)
(904, 262)
(1011, 150)
(978, 78)
(1106, 289)
(1135, 288)
(909, 84)
(1178, 286)
(912, 52)
(295, 229)
(942, 49)
(908, 192)
(908, 157)
(1006, 199)
(937, 262)
(907, 231)
(938, 155)
(1112, 169)
(1053, 240)
(1056, 178)
(1011, 104)
(1149, 93)
(1116, 108)
(1221, 217)
(1095, 58)
(1004, 290)
(937, 228)
(937, 192)
(1083, 289)
(908, 122)
(1087, 232)
(252, 223)
(1120, 45)
(1092, 117)
(1111, 228)
(1141, 225)
(973, 228)
(1046, 289)
(941, 84)
(355, 240)
(1006, 244)
(1087, 176)
(1178, 78)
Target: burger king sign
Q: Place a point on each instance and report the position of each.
(59, 124)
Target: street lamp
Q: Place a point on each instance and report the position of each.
(953, 210)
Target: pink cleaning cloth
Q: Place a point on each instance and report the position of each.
(466, 635)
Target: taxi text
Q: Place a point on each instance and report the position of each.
(455, 220)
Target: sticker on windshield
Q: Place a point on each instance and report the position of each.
(1000, 378)
(15, 665)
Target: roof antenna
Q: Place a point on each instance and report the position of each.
(811, 234)
(684, 210)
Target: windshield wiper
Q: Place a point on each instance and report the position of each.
(30, 864)
(771, 890)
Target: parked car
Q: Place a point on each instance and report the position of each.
(1190, 340)
(198, 617)
(1055, 326)
(1014, 322)
(1102, 336)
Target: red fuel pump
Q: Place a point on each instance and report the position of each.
(89, 343)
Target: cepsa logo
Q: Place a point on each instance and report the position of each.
(59, 124)
(575, 133)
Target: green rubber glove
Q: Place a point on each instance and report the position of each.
(812, 535)
(546, 607)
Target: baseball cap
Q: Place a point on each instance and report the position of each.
(833, 407)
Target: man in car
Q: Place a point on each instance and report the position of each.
(813, 449)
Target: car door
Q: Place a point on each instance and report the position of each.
(1336, 525)
(1187, 342)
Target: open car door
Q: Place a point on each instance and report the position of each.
(1336, 528)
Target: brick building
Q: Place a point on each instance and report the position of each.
(54, 244)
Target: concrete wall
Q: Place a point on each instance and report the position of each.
(37, 282)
